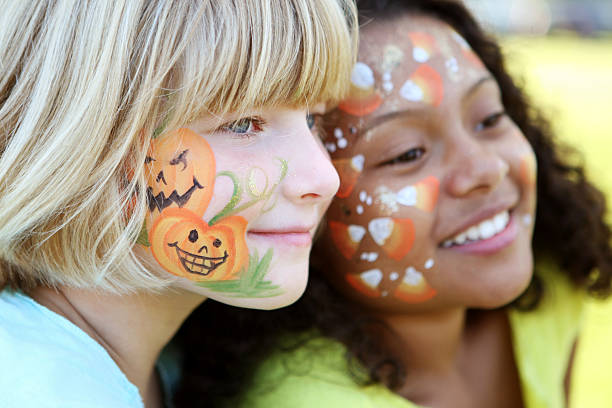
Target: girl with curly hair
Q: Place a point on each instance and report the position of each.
(436, 282)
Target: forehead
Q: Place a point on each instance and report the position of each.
(413, 60)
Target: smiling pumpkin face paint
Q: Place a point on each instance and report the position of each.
(392, 142)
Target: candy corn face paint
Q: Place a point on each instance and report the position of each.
(437, 192)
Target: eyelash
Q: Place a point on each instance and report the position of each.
(491, 121)
(314, 122)
(255, 125)
(406, 157)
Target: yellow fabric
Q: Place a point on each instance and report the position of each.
(317, 374)
(543, 340)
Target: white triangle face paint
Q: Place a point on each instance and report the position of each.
(411, 92)
(356, 232)
(380, 229)
(372, 277)
(407, 196)
(413, 277)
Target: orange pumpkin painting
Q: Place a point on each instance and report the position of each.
(180, 168)
(186, 246)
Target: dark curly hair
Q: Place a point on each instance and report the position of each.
(222, 344)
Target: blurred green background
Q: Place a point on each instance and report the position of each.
(562, 50)
(570, 78)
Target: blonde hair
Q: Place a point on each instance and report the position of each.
(84, 85)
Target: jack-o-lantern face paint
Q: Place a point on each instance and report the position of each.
(233, 205)
(437, 182)
(187, 246)
(180, 177)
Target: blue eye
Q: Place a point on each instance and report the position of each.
(244, 125)
(311, 121)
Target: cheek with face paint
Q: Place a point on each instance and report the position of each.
(181, 170)
(211, 253)
(381, 252)
(187, 246)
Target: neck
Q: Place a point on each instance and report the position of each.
(132, 328)
(429, 341)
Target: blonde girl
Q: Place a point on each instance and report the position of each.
(153, 154)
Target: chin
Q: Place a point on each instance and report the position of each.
(289, 284)
(506, 291)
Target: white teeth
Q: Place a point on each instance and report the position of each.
(473, 233)
(485, 230)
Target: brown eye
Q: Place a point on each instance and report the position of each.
(149, 159)
(193, 235)
(407, 157)
(217, 243)
(491, 121)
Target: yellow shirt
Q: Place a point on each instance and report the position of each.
(317, 374)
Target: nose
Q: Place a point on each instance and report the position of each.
(311, 176)
(476, 167)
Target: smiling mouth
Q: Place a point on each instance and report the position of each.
(198, 264)
(482, 231)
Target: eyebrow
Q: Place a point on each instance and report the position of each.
(477, 85)
(420, 111)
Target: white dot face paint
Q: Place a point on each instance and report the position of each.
(420, 55)
(452, 69)
(387, 86)
(331, 147)
(362, 76)
(412, 92)
(380, 229)
(342, 143)
(363, 196)
(369, 200)
(338, 133)
(393, 276)
(429, 263)
(386, 200)
(527, 220)
(357, 162)
(359, 209)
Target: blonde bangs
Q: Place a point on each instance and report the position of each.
(83, 86)
(293, 54)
